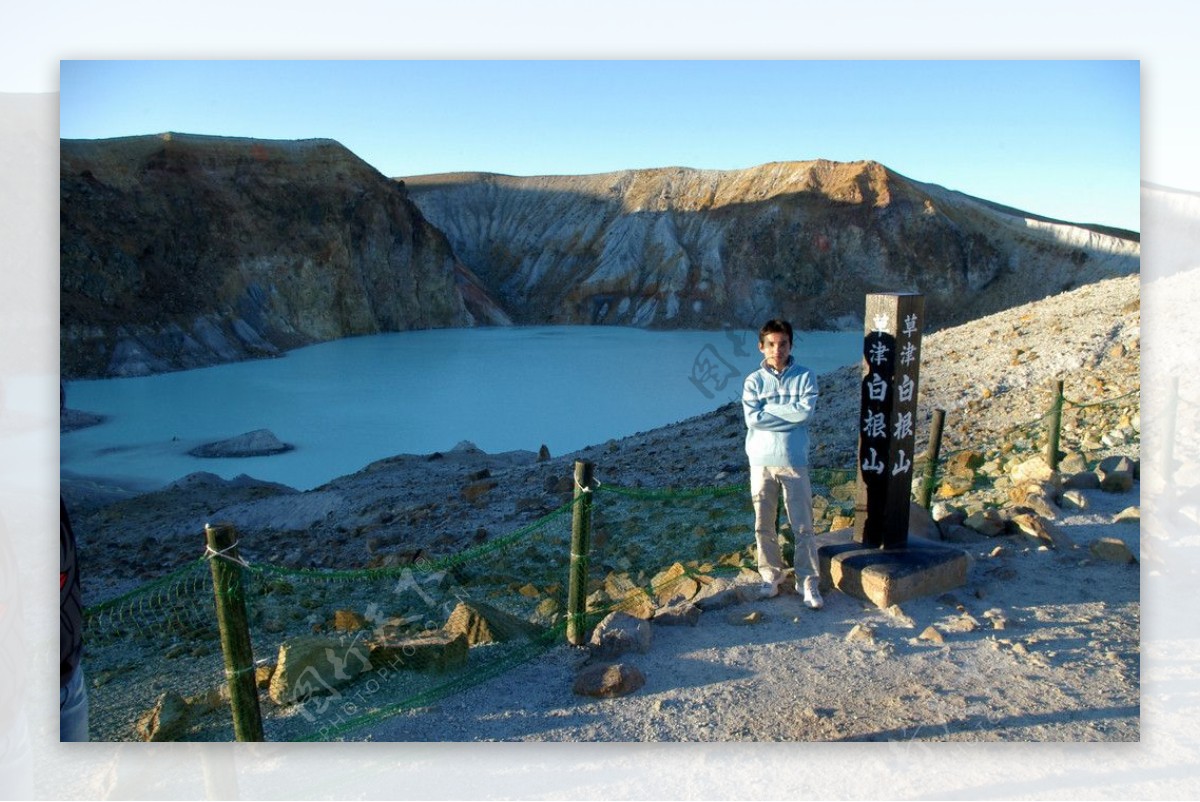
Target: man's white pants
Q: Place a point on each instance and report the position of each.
(766, 483)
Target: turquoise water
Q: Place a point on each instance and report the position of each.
(350, 402)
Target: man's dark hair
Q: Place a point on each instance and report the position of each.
(775, 326)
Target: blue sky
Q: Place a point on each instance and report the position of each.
(1057, 138)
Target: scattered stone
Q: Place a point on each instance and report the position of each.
(608, 681)
(1044, 531)
(964, 623)
(683, 613)
(840, 522)
(435, 651)
(548, 611)
(1038, 496)
(1111, 549)
(474, 492)
(899, 616)
(745, 619)
(618, 633)
(482, 623)
(1128, 515)
(1035, 471)
(168, 720)
(673, 584)
(963, 462)
(947, 513)
(932, 634)
(999, 551)
(997, 617)
(1072, 463)
(1116, 474)
(1087, 480)
(861, 632)
(348, 621)
(716, 595)
(262, 675)
(955, 485)
(987, 522)
(1075, 499)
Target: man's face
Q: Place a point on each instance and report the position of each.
(776, 348)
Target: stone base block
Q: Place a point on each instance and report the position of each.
(890, 576)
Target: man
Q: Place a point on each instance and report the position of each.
(778, 399)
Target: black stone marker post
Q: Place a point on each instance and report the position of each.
(887, 425)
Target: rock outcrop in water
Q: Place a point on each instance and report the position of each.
(689, 248)
(183, 251)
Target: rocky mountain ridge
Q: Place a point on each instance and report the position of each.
(179, 251)
(678, 247)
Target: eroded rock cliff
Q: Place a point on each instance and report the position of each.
(703, 248)
(179, 251)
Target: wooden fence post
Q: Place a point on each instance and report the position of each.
(932, 455)
(229, 594)
(581, 525)
(1055, 426)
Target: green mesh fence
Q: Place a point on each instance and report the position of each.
(646, 546)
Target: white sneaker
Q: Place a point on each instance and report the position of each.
(768, 590)
(812, 593)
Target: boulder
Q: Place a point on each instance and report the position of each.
(673, 584)
(608, 681)
(986, 522)
(1035, 470)
(1128, 515)
(962, 463)
(1042, 530)
(1085, 480)
(931, 634)
(348, 621)
(861, 632)
(618, 633)
(258, 443)
(168, 720)
(430, 651)
(716, 594)
(482, 623)
(1116, 474)
(1072, 463)
(315, 665)
(1075, 498)
(1037, 496)
(1112, 550)
(683, 613)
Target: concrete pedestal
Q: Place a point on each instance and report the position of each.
(889, 576)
